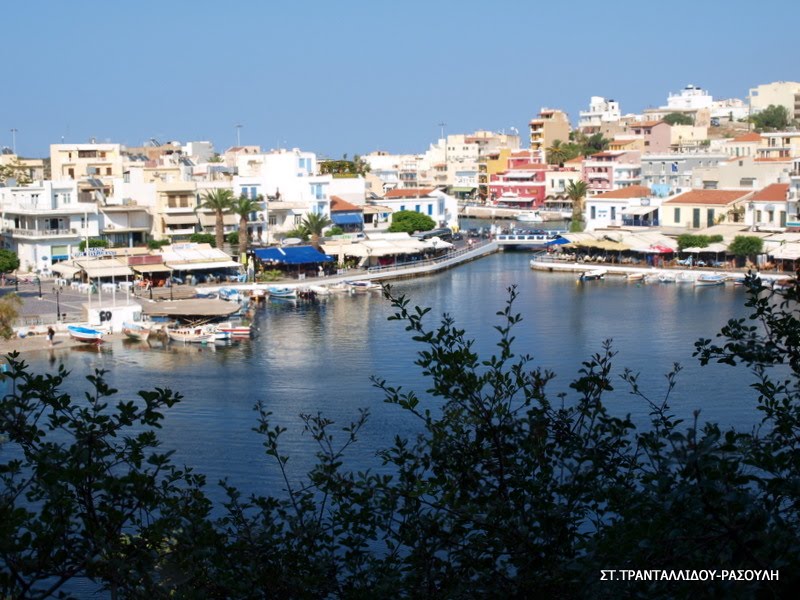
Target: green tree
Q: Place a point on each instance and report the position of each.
(218, 200)
(411, 221)
(9, 261)
(678, 119)
(244, 207)
(10, 307)
(691, 240)
(594, 143)
(14, 170)
(771, 118)
(556, 154)
(93, 243)
(576, 191)
(746, 246)
(204, 238)
(314, 224)
(156, 244)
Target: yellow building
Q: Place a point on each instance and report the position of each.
(551, 125)
(698, 209)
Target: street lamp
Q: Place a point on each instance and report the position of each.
(58, 304)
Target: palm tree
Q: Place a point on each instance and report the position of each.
(576, 191)
(244, 207)
(314, 223)
(556, 154)
(219, 201)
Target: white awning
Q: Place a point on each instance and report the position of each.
(784, 252)
(180, 219)
(150, 268)
(65, 269)
(210, 220)
(639, 210)
(111, 271)
(227, 264)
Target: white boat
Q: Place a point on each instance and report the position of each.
(281, 292)
(529, 217)
(320, 290)
(363, 286)
(230, 294)
(199, 334)
(87, 335)
(236, 330)
(667, 277)
(634, 276)
(593, 275)
(710, 279)
(136, 331)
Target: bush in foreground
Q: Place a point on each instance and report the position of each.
(505, 492)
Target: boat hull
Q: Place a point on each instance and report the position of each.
(85, 335)
(191, 335)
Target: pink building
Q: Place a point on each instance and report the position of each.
(656, 135)
(522, 185)
(611, 170)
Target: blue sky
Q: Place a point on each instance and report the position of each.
(356, 76)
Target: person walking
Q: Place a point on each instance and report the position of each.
(50, 335)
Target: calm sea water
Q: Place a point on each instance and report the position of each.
(310, 357)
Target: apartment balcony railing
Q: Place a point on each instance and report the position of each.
(40, 232)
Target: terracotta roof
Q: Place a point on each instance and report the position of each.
(577, 160)
(634, 191)
(747, 137)
(521, 153)
(644, 124)
(608, 153)
(620, 142)
(787, 159)
(719, 197)
(772, 193)
(340, 205)
(409, 193)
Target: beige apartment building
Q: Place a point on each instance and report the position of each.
(778, 93)
(79, 161)
(699, 209)
(551, 125)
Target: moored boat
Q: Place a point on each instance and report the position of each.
(710, 279)
(236, 330)
(136, 331)
(529, 217)
(634, 276)
(592, 275)
(667, 277)
(363, 286)
(281, 292)
(198, 334)
(87, 335)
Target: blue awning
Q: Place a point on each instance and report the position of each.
(347, 219)
(292, 255)
(557, 242)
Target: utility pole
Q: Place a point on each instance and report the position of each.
(238, 138)
(442, 125)
(14, 140)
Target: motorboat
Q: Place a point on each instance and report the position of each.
(635, 276)
(198, 334)
(363, 286)
(281, 292)
(529, 217)
(236, 330)
(229, 294)
(87, 335)
(136, 331)
(593, 275)
(710, 279)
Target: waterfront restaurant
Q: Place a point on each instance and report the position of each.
(293, 260)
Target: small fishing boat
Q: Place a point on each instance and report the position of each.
(710, 279)
(236, 330)
(87, 335)
(593, 275)
(191, 335)
(363, 286)
(230, 294)
(634, 276)
(281, 292)
(136, 331)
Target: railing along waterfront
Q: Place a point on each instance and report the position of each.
(454, 257)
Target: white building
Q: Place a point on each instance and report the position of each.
(45, 222)
(440, 207)
(689, 98)
(600, 111)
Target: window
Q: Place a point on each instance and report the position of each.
(613, 213)
(758, 216)
(108, 170)
(298, 219)
(710, 218)
(402, 207)
(696, 218)
(273, 220)
(417, 208)
(430, 210)
(593, 212)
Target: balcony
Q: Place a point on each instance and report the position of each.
(40, 233)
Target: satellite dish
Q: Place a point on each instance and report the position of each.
(292, 241)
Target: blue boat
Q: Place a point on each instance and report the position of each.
(281, 292)
(87, 335)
